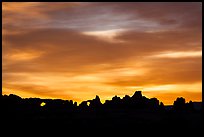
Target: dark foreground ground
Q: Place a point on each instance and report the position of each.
(137, 122)
(130, 116)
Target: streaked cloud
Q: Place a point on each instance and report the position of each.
(179, 54)
(23, 56)
(107, 35)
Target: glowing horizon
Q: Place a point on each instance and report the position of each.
(76, 51)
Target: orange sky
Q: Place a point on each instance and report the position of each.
(79, 50)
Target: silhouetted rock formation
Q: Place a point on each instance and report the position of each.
(137, 112)
(179, 104)
(95, 103)
(137, 101)
(161, 106)
(137, 95)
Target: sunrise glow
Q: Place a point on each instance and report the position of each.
(76, 51)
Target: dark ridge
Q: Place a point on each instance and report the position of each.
(129, 112)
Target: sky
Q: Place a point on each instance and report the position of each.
(79, 50)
